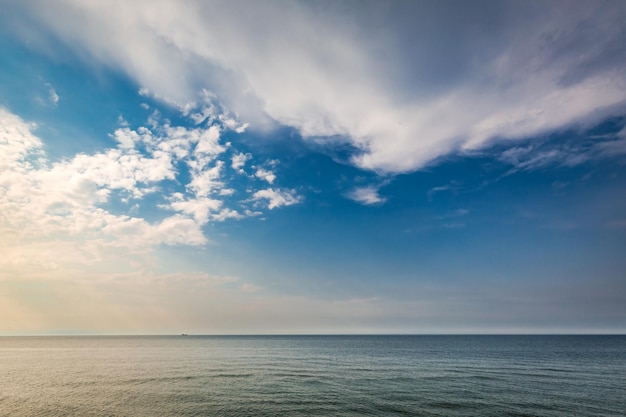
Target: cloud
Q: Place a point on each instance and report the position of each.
(43, 200)
(239, 161)
(87, 205)
(613, 148)
(567, 153)
(277, 198)
(17, 142)
(404, 83)
(172, 230)
(526, 158)
(452, 187)
(52, 95)
(366, 195)
(198, 208)
(265, 175)
(206, 182)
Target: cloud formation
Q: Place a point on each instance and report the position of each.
(565, 153)
(405, 83)
(366, 195)
(276, 198)
(265, 175)
(82, 205)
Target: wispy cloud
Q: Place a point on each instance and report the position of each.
(452, 187)
(367, 195)
(566, 153)
(613, 148)
(52, 95)
(411, 98)
(528, 159)
(454, 214)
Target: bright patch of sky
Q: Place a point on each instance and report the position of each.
(307, 167)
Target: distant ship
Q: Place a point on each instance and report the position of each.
(184, 334)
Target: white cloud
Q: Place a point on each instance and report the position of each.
(226, 214)
(232, 123)
(239, 161)
(366, 195)
(208, 142)
(60, 201)
(172, 230)
(206, 182)
(16, 142)
(198, 208)
(277, 198)
(114, 169)
(265, 175)
(50, 210)
(128, 138)
(404, 83)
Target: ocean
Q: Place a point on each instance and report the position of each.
(313, 376)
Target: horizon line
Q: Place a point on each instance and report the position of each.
(75, 334)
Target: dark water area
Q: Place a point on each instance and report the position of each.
(313, 376)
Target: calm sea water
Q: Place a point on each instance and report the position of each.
(313, 376)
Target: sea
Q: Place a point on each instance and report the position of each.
(313, 376)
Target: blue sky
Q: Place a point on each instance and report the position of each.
(328, 167)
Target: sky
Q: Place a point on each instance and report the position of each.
(271, 167)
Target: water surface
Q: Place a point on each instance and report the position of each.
(313, 376)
